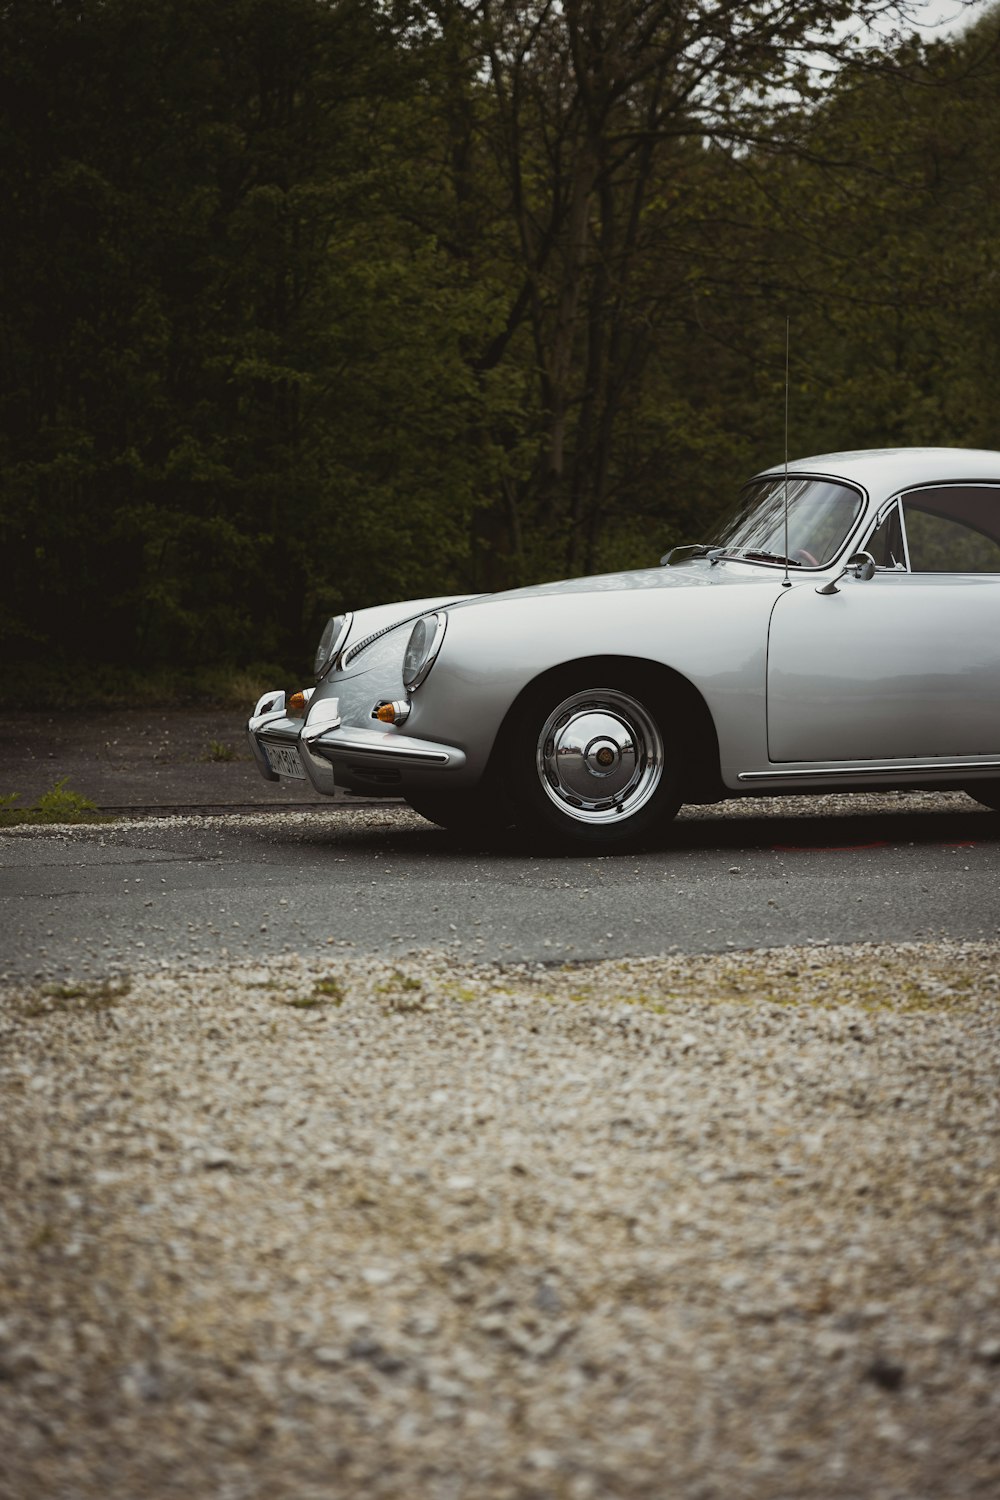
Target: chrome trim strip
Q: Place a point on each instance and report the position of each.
(337, 745)
(328, 744)
(836, 773)
(353, 652)
(343, 744)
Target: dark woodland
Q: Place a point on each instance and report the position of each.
(311, 304)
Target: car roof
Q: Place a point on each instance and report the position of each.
(883, 471)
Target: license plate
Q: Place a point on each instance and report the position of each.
(285, 761)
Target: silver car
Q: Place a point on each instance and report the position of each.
(840, 630)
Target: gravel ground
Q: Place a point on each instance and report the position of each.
(709, 1228)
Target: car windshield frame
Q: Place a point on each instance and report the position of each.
(822, 511)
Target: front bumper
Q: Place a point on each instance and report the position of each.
(354, 758)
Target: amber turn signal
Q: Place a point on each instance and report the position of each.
(391, 713)
(296, 706)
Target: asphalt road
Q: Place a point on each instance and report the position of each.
(378, 880)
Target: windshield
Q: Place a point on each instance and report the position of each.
(820, 515)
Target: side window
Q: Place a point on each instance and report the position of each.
(886, 542)
(953, 529)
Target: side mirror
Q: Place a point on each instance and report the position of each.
(862, 565)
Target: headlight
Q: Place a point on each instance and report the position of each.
(422, 648)
(331, 643)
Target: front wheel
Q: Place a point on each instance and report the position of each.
(593, 767)
(471, 811)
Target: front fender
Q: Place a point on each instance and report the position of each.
(714, 639)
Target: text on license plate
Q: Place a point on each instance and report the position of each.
(285, 761)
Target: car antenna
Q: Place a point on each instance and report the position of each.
(786, 582)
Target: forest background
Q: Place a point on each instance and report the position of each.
(311, 304)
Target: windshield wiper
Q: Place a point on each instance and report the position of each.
(790, 562)
(698, 549)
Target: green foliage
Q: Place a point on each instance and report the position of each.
(307, 304)
(62, 805)
(327, 991)
(877, 237)
(96, 686)
(58, 805)
(90, 996)
(217, 751)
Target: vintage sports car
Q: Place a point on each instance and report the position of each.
(841, 630)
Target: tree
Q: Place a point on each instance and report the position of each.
(309, 303)
(601, 115)
(230, 387)
(878, 237)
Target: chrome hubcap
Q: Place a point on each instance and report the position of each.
(599, 756)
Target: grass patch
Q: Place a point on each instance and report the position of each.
(220, 752)
(403, 993)
(59, 805)
(86, 996)
(400, 981)
(917, 978)
(324, 992)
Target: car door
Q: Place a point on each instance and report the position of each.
(905, 665)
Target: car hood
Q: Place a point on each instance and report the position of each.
(374, 639)
(695, 574)
(379, 619)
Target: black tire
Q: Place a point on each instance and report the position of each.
(470, 811)
(594, 766)
(986, 792)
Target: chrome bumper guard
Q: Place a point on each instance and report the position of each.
(321, 743)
